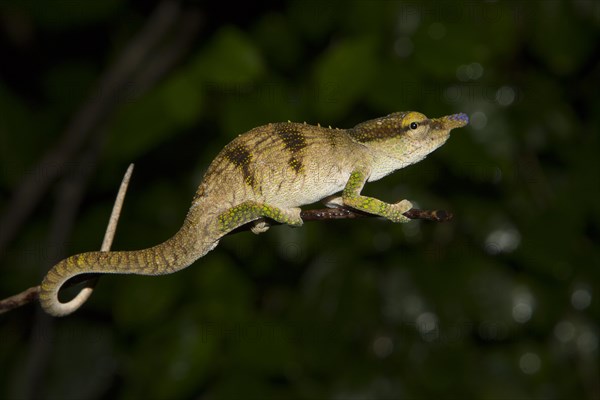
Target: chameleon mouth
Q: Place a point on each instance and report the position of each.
(453, 121)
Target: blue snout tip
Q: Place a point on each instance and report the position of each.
(461, 117)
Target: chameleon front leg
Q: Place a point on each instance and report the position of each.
(351, 197)
(250, 211)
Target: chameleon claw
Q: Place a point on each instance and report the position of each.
(260, 226)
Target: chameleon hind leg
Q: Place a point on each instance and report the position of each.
(250, 211)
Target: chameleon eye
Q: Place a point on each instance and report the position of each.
(414, 125)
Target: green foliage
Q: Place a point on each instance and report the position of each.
(71, 373)
(176, 104)
(229, 59)
(65, 14)
(560, 39)
(502, 302)
(343, 75)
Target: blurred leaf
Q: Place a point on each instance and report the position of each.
(441, 58)
(262, 347)
(140, 302)
(362, 16)
(396, 87)
(71, 372)
(145, 121)
(235, 385)
(258, 105)
(560, 40)
(20, 138)
(178, 354)
(68, 85)
(313, 18)
(65, 14)
(229, 59)
(279, 43)
(343, 75)
(182, 99)
(225, 294)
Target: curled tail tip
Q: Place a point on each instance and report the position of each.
(54, 307)
(48, 297)
(50, 286)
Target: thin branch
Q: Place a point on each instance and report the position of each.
(20, 299)
(113, 221)
(345, 213)
(324, 214)
(32, 293)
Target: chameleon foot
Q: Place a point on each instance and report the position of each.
(398, 209)
(260, 226)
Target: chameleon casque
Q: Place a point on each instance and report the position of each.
(268, 173)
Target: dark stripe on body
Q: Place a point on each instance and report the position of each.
(294, 142)
(239, 155)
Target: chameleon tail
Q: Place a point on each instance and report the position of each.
(170, 256)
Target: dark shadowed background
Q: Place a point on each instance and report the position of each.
(501, 302)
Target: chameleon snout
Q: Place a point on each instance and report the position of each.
(453, 121)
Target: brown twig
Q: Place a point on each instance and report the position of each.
(324, 214)
(345, 213)
(32, 293)
(113, 221)
(18, 300)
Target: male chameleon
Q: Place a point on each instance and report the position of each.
(268, 173)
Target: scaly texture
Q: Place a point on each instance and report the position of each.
(270, 172)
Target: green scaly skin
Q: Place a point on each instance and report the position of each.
(266, 174)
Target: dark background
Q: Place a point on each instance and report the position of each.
(502, 302)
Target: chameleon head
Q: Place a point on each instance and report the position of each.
(408, 137)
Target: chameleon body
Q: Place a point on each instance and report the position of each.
(268, 173)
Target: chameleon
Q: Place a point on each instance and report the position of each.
(266, 174)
